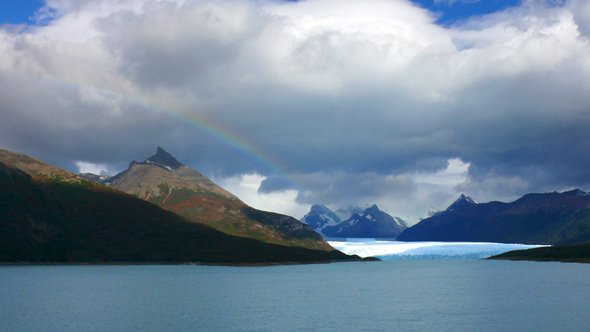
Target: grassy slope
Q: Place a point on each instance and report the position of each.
(236, 218)
(55, 221)
(190, 194)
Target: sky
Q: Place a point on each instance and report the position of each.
(19, 12)
(406, 104)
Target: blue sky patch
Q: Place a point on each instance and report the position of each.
(452, 11)
(18, 11)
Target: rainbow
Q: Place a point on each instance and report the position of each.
(200, 122)
(221, 134)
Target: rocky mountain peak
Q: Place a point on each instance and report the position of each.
(346, 213)
(576, 192)
(319, 217)
(466, 199)
(318, 208)
(461, 201)
(373, 207)
(163, 158)
(368, 223)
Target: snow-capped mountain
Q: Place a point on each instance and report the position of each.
(368, 223)
(346, 213)
(320, 217)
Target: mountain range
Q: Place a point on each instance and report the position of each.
(48, 214)
(544, 218)
(159, 210)
(353, 222)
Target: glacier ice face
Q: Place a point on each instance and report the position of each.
(392, 250)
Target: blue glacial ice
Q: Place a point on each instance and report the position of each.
(392, 250)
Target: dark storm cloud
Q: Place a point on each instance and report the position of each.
(352, 100)
(357, 189)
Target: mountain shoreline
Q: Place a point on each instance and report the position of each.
(577, 253)
(541, 260)
(180, 263)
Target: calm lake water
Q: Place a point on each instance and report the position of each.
(396, 295)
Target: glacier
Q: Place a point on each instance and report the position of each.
(395, 250)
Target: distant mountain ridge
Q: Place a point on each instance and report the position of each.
(547, 218)
(347, 212)
(37, 169)
(368, 223)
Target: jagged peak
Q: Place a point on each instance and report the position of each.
(163, 158)
(348, 212)
(371, 209)
(401, 222)
(319, 208)
(463, 200)
(576, 192)
(319, 217)
(467, 199)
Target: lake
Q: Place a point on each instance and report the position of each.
(409, 295)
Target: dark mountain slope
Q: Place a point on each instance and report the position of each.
(46, 219)
(549, 218)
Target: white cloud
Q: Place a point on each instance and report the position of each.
(364, 101)
(246, 186)
(408, 195)
(86, 167)
(455, 173)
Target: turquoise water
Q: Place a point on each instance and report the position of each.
(464, 295)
